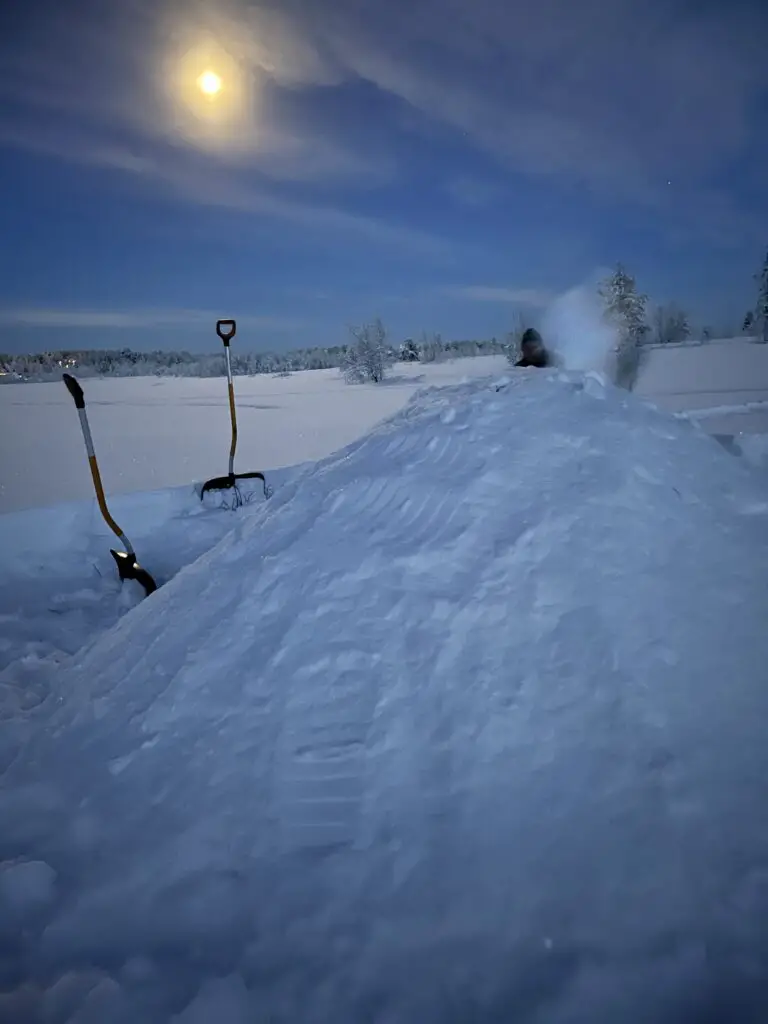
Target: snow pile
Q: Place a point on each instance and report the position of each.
(466, 724)
(753, 448)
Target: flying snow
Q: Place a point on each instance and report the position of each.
(576, 329)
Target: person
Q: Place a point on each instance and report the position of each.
(533, 351)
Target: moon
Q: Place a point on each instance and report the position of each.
(209, 92)
(209, 83)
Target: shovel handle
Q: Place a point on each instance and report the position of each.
(75, 390)
(228, 335)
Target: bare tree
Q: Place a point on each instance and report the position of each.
(369, 356)
(431, 348)
(671, 325)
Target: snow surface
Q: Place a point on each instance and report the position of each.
(724, 382)
(59, 587)
(467, 723)
(158, 432)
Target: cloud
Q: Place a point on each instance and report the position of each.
(616, 98)
(716, 217)
(493, 293)
(619, 93)
(197, 180)
(132, 69)
(100, 319)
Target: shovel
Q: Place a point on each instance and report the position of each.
(127, 566)
(226, 331)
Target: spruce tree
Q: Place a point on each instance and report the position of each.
(761, 312)
(625, 310)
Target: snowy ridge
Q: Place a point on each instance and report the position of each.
(465, 724)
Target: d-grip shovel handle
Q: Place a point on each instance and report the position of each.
(226, 336)
(75, 390)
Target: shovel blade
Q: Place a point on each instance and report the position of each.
(218, 483)
(129, 569)
(222, 483)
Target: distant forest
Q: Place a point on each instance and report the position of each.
(126, 363)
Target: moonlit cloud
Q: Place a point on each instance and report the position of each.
(619, 97)
(211, 186)
(620, 92)
(100, 319)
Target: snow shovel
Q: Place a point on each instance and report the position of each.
(127, 566)
(226, 331)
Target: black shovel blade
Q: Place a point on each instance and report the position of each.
(129, 569)
(217, 483)
(222, 483)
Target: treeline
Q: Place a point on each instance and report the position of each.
(127, 363)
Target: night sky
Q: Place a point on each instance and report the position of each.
(440, 163)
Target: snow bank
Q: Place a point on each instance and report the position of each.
(465, 724)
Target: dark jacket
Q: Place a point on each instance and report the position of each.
(533, 351)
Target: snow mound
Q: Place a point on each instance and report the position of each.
(466, 724)
(753, 448)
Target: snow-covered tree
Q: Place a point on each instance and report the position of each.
(48, 366)
(671, 325)
(761, 311)
(369, 356)
(431, 348)
(625, 310)
(408, 351)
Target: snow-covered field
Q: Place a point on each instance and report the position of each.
(154, 433)
(465, 723)
(157, 432)
(723, 383)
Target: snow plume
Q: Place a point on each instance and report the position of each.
(575, 330)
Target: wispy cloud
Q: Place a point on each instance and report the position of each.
(133, 67)
(101, 319)
(620, 94)
(195, 178)
(616, 98)
(537, 297)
